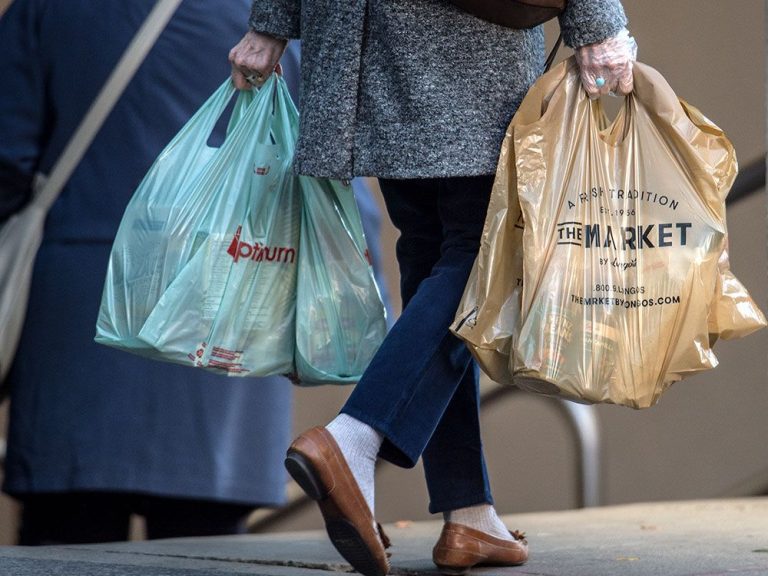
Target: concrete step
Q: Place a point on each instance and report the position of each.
(689, 538)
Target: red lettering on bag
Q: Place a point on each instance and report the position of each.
(258, 253)
(232, 250)
(229, 367)
(225, 353)
(243, 251)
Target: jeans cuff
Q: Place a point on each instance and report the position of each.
(389, 451)
(436, 507)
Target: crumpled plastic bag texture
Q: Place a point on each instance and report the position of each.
(603, 273)
(206, 266)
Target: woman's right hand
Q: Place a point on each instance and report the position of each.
(254, 58)
(606, 67)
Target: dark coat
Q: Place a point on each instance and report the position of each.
(413, 88)
(84, 416)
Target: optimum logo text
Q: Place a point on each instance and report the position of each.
(257, 252)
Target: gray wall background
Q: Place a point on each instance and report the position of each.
(708, 437)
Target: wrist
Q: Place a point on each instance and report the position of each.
(268, 35)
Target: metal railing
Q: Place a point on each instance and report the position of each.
(751, 180)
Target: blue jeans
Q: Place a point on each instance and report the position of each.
(421, 390)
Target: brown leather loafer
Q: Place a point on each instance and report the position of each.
(461, 547)
(315, 461)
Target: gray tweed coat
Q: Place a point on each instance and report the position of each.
(413, 88)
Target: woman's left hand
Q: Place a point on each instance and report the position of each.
(606, 67)
(254, 58)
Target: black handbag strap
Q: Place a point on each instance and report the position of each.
(553, 52)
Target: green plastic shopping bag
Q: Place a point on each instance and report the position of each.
(341, 320)
(142, 252)
(224, 281)
(340, 317)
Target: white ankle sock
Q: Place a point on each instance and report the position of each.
(359, 443)
(482, 517)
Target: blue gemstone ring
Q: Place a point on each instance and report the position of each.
(600, 81)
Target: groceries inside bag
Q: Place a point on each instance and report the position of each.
(340, 316)
(145, 255)
(204, 270)
(603, 274)
(203, 267)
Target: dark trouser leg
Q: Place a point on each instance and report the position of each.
(423, 380)
(454, 464)
(74, 518)
(180, 517)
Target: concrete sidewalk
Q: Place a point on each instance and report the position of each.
(694, 538)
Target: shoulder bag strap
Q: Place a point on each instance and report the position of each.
(553, 53)
(48, 188)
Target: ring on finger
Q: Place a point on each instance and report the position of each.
(254, 78)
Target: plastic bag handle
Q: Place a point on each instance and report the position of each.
(652, 91)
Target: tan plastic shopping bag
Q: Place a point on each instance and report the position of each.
(618, 283)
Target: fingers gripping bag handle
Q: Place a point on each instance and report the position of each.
(134, 279)
(621, 242)
(231, 307)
